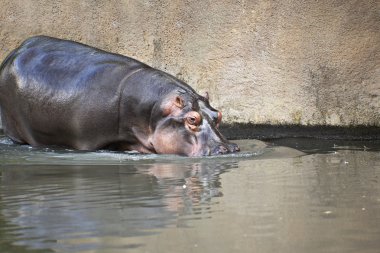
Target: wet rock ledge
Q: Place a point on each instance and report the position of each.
(265, 132)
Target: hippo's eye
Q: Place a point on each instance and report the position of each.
(193, 119)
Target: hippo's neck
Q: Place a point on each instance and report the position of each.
(121, 90)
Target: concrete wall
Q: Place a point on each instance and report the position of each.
(263, 62)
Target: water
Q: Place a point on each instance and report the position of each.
(268, 198)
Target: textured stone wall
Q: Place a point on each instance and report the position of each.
(263, 62)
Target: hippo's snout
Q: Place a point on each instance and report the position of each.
(221, 149)
(233, 147)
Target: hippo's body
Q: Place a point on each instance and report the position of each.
(59, 92)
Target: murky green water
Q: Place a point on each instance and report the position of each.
(265, 199)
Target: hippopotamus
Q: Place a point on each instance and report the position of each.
(64, 93)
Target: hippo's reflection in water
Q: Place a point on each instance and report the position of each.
(50, 203)
(195, 186)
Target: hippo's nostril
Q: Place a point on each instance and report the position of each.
(219, 150)
(223, 150)
(233, 147)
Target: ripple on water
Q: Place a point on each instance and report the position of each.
(24, 154)
(271, 197)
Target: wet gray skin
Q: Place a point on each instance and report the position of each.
(58, 92)
(191, 128)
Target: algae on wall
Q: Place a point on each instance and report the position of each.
(274, 62)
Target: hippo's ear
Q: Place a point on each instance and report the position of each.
(178, 102)
(172, 105)
(207, 96)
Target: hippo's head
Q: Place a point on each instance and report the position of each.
(184, 123)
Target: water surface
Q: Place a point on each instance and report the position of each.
(268, 198)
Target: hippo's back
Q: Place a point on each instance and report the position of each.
(63, 89)
(63, 65)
